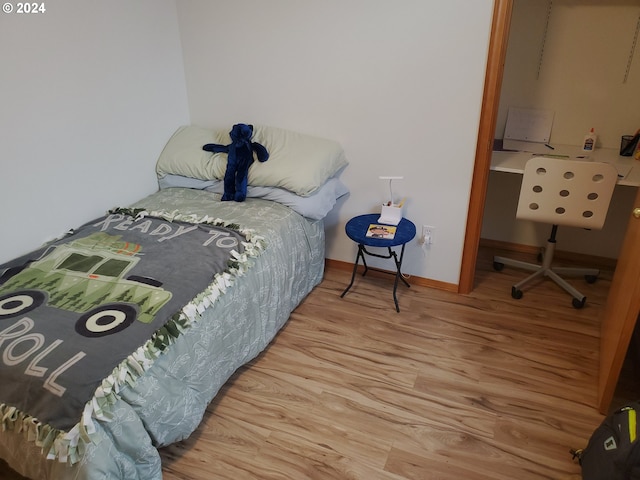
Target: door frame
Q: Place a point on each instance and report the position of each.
(621, 312)
(486, 133)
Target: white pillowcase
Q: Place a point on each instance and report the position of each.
(297, 162)
(183, 154)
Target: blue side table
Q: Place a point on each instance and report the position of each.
(356, 230)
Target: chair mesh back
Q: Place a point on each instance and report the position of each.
(566, 192)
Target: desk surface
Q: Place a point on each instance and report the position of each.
(628, 168)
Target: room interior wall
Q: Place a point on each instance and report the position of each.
(398, 84)
(90, 93)
(586, 70)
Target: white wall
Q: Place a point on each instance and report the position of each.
(399, 84)
(89, 94)
(582, 79)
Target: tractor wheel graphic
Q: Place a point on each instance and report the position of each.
(106, 320)
(19, 303)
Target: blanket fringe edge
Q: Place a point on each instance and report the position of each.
(68, 446)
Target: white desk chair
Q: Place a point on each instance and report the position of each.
(562, 192)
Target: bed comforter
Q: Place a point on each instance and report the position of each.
(166, 403)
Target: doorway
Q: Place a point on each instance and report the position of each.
(619, 319)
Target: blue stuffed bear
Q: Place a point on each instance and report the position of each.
(240, 158)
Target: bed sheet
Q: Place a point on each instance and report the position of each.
(167, 403)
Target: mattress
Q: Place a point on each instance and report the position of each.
(167, 402)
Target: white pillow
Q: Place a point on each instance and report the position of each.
(183, 154)
(297, 162)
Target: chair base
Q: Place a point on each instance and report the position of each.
(546, 270)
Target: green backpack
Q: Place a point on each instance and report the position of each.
(613, 451)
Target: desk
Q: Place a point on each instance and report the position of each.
(356, 230)
(513, 162)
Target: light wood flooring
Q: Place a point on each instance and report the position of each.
(474, 387)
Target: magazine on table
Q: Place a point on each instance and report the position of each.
(386, 232)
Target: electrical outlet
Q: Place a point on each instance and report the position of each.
(427, 235)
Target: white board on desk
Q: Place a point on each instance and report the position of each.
(528, 125)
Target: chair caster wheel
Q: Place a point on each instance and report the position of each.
(579, 303)
(515, 293)
(497, 266)
(591, 278)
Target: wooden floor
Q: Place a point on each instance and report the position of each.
(471, 387)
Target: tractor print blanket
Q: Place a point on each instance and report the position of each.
(100, 303)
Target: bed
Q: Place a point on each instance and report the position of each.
(157, 393)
